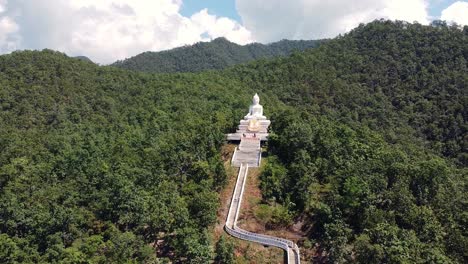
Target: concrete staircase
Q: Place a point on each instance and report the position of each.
(248, 152)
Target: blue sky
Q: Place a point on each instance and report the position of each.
(223, 8)
(436, 6)
(110, 30)
(227, 8)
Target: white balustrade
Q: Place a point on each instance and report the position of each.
(233, 214)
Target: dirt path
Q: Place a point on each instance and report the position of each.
(248, 221)
(253, 198)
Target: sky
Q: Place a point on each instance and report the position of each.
(110, 30)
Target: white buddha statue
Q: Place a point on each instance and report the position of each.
(255, 110)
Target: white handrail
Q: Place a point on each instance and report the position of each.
(244, 180)
(234, 196)
(232, 228)
(234, 156)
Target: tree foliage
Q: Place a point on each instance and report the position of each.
(368, 143)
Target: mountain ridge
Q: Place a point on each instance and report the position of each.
(214, 55)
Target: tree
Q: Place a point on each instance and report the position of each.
(224, 251)
(9, 251)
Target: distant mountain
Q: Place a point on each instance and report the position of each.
(83, 58)
(217, 54)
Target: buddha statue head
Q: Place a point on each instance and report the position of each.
(256, 99)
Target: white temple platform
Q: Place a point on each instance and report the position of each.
(238, 136)
(249, 152)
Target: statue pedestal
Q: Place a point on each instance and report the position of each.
(243, 130)
(258, 117)
(263, 124)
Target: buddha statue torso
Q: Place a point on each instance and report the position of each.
(255, 110)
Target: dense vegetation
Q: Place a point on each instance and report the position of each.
(99, 164)
(373, 152)
(215, 55)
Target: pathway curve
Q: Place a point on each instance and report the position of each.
(292, 251)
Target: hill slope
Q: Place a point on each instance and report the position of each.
(368, 150)
(214, 55)
(84, 58)
(373, 154)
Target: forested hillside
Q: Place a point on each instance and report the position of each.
(368, 150)
(100, 164)
(372, 151)
(215, 55)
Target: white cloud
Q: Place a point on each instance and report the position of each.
(3, 5)
(9, 40)
(107, 30)
(457, 12)
(220, 27)
(271, 20)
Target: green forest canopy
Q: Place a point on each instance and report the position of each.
(368, 146)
